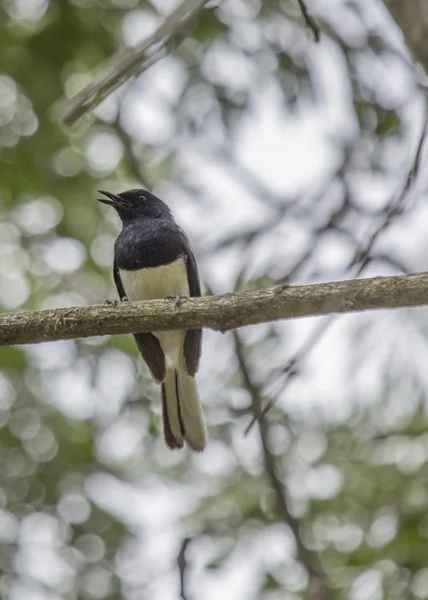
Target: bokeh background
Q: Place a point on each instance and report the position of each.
(284, 160)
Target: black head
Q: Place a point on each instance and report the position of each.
(136, 204)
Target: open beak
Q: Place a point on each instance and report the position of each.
(112, 199)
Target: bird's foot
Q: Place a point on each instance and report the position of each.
(178, 299)
(282, 286)
(110, 303)
(115, 302)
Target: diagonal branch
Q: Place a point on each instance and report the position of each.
(182, 565)
(319, 587)
(397, 205)
(135, 165)
(220, 313)
(309, 20)
(130, 62)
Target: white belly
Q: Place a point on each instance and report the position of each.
(160, 282)
(156, 282)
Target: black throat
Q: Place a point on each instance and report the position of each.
(145, 243)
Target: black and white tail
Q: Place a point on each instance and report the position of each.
(182, 412)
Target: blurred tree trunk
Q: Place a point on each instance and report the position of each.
(412, 17)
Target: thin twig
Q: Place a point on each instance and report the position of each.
(292, 368)
(134, 164)
(360, 260)
(182, 567)
(396, 206)
(130, 62)
(318, 587)
(309, 20)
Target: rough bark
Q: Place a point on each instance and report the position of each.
(221, 313)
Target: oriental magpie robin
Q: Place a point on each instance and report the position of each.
(153, 259)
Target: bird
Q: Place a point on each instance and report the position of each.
(153, 258)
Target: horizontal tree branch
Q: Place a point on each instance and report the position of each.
(221, 313)
(129, 62)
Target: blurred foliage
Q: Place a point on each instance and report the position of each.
(91, 503)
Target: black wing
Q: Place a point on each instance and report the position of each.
(118, 281)
(193, 339)
(148, 344)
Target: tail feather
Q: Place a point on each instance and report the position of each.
(182, 412)
(191, 413)
(173, 442)
(173, 427)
